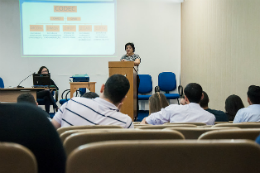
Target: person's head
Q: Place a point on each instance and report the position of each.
(26, 98)
(90, 95)
(115, 88)
(232, 104)
(156, 102)
(193, 93)
(253, 94)
(43, 70)
(129, 48)
(204, 102)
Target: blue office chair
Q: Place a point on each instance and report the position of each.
(145, 86)
(1, 83)
(64, 95)
(167, 83)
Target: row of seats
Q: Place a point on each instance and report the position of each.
(112, 148)
(75, 138)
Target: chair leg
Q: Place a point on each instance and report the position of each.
(178, 101)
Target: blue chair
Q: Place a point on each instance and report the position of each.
(167, 83)
(1, 83)
(63, 100)
(145, 86)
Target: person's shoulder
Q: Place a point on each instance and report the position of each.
(207, 113)
(136, 55)
(121, 116)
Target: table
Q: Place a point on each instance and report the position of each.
(74, 86)
(10, 94)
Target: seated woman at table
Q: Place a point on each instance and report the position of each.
(47, 94)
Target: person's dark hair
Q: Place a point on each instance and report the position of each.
(116, 88)
(254, 94)
(205, 101)
(156, 102)
(26, 98)
(193, 92)
(130, 44)
(90, 95)
(232, 104)
(42, 67)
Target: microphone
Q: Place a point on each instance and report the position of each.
(24, 80)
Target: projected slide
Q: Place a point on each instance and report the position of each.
(68, 28)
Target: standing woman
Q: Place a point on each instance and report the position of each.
(47, 94)
(131, 56)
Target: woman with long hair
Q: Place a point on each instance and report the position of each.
(47, 94)
(232, 104)
(156, 102)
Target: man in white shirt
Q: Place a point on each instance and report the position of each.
(191, 112)
(81, 111)
(252, 112)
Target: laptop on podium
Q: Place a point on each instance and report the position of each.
(41, 80)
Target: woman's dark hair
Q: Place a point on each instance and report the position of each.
(232, 104)
(156, 102)
(130, 44)
(42, 67)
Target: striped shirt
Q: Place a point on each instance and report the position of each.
(80, 111)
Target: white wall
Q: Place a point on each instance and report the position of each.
(220, 47)
(153, 26)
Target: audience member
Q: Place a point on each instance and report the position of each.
(191, 112)
(99, 111)
(232, 104)
(252, 112)
(26, 98)
(204, 103)
(27, 125)
(156, 102)
(90, 95)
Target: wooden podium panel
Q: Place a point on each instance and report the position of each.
(127, 69)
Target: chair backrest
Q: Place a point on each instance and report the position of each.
(250, 134)
(194, 133)
(66, 134)
(146, 85)
(240, 125)
(167, 81)
(165, 126)
(78, 139)
(184, 156)
(63, 129)
(1, 83)
(194, 123)
(16, 158)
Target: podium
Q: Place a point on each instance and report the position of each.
(127, 69)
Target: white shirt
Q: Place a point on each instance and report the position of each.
(191, 112)
(249, 114)
(80, 111)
